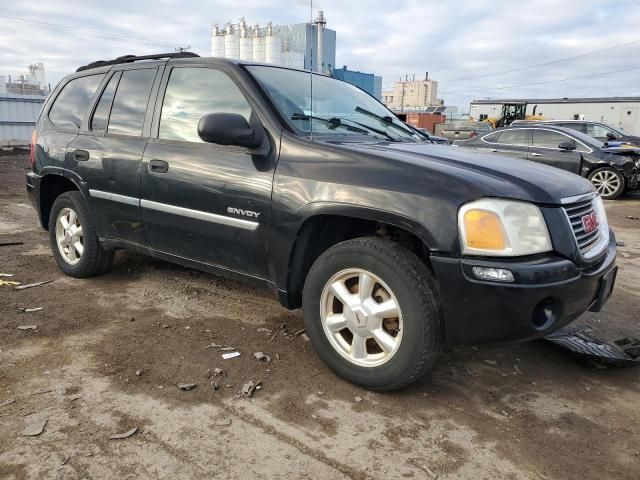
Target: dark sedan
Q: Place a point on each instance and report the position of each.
(599, 131)
(611, 170)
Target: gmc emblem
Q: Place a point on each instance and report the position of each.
(590, 222)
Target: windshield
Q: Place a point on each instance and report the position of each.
(338, 108)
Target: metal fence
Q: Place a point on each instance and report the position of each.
(18, 115)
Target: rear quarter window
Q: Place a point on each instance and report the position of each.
(130, 103)
(71, 105)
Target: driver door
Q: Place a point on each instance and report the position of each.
(200, 201)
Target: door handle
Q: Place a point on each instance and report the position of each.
(158, 166)
(80, 155)
(534, 154)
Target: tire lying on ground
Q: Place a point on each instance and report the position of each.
(73, 239)
(372, 313)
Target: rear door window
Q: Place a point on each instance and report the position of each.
(548, 139)
(101, 114)
(130, 103)
(492, 137)
(517, 136)
(71, 105)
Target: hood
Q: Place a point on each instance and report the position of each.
(482, 174)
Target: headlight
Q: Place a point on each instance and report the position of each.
(504, 228)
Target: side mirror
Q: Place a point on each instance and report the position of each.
(229, 129)
(568, 145)
(611, 136)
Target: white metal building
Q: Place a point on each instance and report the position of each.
(620, 112)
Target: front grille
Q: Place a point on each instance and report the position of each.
(585, 241)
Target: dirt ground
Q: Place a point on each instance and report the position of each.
(108, 353)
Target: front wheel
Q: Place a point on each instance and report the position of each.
(608, 181)
(372, 313)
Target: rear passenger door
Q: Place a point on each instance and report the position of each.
(62, 122)
(510, 143)
(201, 201)
(107, 155)
(544, 149)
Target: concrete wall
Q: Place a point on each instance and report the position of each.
(18, 115)
(622, 115)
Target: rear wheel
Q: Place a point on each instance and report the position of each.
(73, 238)
(372, 313)
(608, 182)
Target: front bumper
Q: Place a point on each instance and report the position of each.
(548, 293)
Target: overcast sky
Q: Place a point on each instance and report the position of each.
(456, 42)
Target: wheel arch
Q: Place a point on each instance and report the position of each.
(329, 224)
(52, 185)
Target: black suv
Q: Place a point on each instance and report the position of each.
(395, 247)
(611, 168)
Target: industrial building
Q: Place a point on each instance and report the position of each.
(370, 83)
(412, 94)
(21, 99)
(309, 46)
(619, 112)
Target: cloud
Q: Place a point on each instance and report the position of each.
(449, 40)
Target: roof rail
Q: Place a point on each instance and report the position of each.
(135, 58)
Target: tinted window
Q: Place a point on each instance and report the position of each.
(130, 104)
(71, 105)
(548, 139)
(598, 131)
(517, 136)
(580, 127)
(492, 137)
(193, 92)
(101, 114)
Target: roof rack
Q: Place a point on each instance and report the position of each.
(135, 58)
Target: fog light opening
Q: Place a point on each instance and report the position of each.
(545, 313)
(493, 274)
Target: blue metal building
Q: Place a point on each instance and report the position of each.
(368, 82)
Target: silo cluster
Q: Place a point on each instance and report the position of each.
(244, 42)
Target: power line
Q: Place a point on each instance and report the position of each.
(519, 69)
(592, 75)
(85, 32)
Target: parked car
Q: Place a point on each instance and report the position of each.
(463, 130)
(395, 248)
(599, 131)
(611, 170)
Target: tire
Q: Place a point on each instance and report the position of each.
(415, 331)
(608, 181)
(90, 258)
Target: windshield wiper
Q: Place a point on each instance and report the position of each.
(335, 122)
(332, 122)
(385, 120)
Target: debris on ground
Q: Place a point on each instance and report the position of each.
(273, 337)
(249, 388)
(490, 362)
(214, 386)
(9, 283)
(357, 399)
(227, 349)
(619, 243)
(30, 310)
(27, 327)
(621, 353)
(122, 436)
(633, 217)
(30, 285)
(227, 356)
(305, 337)
(35, 429)
(218, 371)
(10, 244)
(517, 370)
(6, 274)
(185, 387)
(139, 372)
(66, 459)
(261, 357)
(223, 422)
(300, 332)
(7, 402)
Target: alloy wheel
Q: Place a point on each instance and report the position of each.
(605, 182)
(361, 317)
(69, 236)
